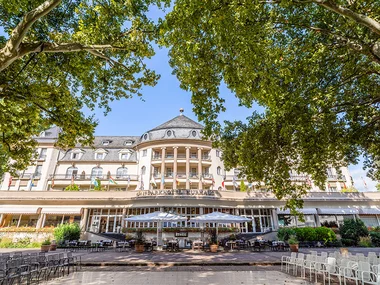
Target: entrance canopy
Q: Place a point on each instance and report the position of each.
(218, 217)
(156, 217)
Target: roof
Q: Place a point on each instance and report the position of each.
(180, 121)
(114, 142)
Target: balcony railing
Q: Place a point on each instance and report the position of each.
(299, 177)
(80, 177)
(156, 157)
(183, 175)
(336, 178)
(178, 192)
(27, 175)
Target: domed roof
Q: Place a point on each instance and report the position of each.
(179, 122)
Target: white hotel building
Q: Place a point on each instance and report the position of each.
(168, 168)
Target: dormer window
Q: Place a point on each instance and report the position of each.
(105, 143)
(169, 133)
(128, 143)
(125, 154)
(76, 154)
(100, 154)
(145, 137)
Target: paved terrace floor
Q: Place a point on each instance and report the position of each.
(188, 257)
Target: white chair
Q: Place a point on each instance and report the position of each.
(288, 260)
(364, 271)
(318, 266)
(331, 269)
(308, 264)
(300, 260)
(371, 277)
(350, 272)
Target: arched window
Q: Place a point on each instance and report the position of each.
(96, 172)
(143, 170)
(122, 172)
(218, 170)
(71, 171)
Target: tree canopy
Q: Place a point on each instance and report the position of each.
(313, 65)
(61, 56)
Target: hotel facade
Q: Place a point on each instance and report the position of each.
(168, 168)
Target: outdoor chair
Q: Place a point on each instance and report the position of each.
(288, 260)
(256, 246)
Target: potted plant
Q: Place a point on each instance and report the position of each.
(139, 241)
(213, 240)
(293, 243)
(45, 245)
(53, 245)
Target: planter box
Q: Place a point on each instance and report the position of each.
(45, 248)
(293, 247)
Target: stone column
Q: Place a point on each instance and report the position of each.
(175, 174)
(275, 224)
(163, 153)
(200, 186)
(83, 221)
(317, 221)
(187, 167)
(123, 216)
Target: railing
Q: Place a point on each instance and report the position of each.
(90, 177)
(156, 157)
(26, 175)
(336, 178)
(299, 177)
(178, 192)
(206, 157)
(181, 156)
(183, 175)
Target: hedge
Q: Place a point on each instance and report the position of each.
(307, 234)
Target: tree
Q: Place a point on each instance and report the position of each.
(378, 186)
(61, 56)
(243, 188)
(313, 65)
(349, 190)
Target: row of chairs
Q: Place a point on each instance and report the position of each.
(34, 267)
(358, 268)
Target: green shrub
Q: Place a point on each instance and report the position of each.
(375, 238)
(284, 233)
(306, 234)
(353, 229)
(365, 242)
(348, 242)
(67, 232)
(73, 187)
(325, 234)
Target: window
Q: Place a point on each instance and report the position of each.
(194, 133)
(143, 170)
(75, 155)
(71, 171)
(129, 142)
(43, 153)
(329, 171)
(169, 133)
(122, 172)
(217, 153)
(124, 156)
(96, 172)
(145, 136)
(169, 171)
(99, 155)
(144, 152)
(207, 171)
(193, 172)
(38, 171)
(169, 155)
(218, 170)
(193, 155)
(105, 142)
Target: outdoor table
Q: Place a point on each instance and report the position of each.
(172, 245)
(197, 244)
(231, 244)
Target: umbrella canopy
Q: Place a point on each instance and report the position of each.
(218, 217)
(156, 217)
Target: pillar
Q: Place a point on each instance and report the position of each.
(187, 167)
(275, 224)
(175, 177)
(200, 186)
(163, 153)
(83, 221)
(123, 216)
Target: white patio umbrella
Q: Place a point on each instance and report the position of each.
(158, 217)
(219, 218)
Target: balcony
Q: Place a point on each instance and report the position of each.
(156, 157)
(178, 192)
(89, 177)
(336, 178)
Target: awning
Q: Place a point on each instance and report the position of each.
(19, 209)
(156, 217)
(338, 211)
(218, 217)
(62, 210)
(305, 211)
(369, 211)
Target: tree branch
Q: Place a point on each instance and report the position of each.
(29, 19)
(359, 18)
